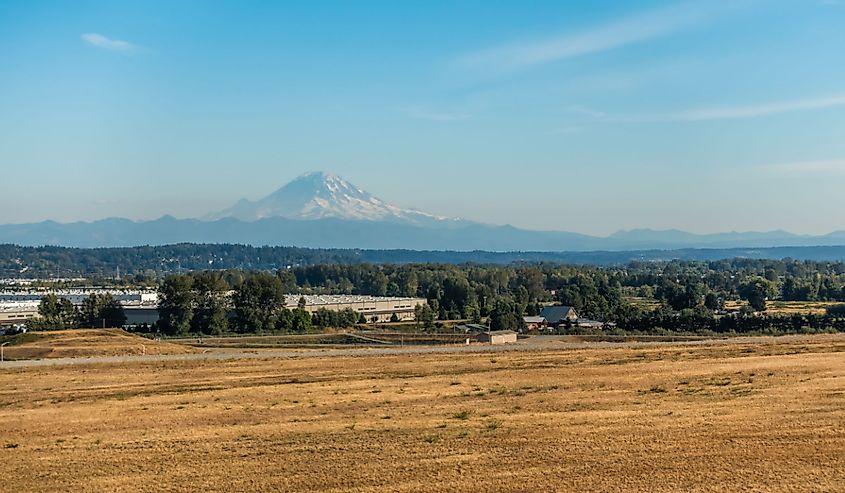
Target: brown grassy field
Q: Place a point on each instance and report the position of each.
(728, 417)
(344, 338)
(86, 343)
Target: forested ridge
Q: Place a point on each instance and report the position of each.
(158, 261)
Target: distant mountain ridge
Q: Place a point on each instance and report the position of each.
(322, 210)
(675, 238)
(344, 233)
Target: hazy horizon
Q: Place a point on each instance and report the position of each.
(700, 116)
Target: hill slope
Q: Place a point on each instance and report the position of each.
(84, 343)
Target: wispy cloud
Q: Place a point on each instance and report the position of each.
(633, 29)
(421, 113)
(100, 41)
(567, 129)
(822, 167)
(718, 112)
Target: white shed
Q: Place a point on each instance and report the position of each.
(497, 337)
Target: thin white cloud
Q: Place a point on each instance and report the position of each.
(583, 110)
(821, 167)
(719, 112)
(568, 129)
(629, 30)
(100, 41)
(420, 113)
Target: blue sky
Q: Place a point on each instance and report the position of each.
(582, 116)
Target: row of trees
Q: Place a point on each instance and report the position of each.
(235, 300)
(702, 321)
(97, 310)
(202, 302)
(217, 301)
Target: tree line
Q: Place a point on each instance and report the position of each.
(97, 310)
(213, 303)
(144, 263)
(689, 296)
(676, 296)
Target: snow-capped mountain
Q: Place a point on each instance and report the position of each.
(321, 210)
(320, 195)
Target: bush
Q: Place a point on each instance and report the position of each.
(836, 310)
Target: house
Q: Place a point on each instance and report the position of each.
(534, 323)
(497, 337)
(557, 315)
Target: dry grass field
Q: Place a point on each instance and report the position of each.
(80, 343)
(719, 418)
(778, 307)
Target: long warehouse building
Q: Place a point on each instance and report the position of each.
(141, 307)
(374, 308)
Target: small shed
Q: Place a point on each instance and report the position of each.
(497, 337)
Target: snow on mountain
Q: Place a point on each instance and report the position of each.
(322, 195)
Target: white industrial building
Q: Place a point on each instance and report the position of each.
(17, 305)
(378, 308)
(16, 312)
(126, 297)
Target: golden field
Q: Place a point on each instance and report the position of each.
(778, 307)
(738, 416)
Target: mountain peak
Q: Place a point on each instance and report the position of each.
(318, 183)
(318, 176)
(321, 195)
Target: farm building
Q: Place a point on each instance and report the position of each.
(534, 323)
(556, 315)
(497, 337)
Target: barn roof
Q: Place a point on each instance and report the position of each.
(555, 313)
